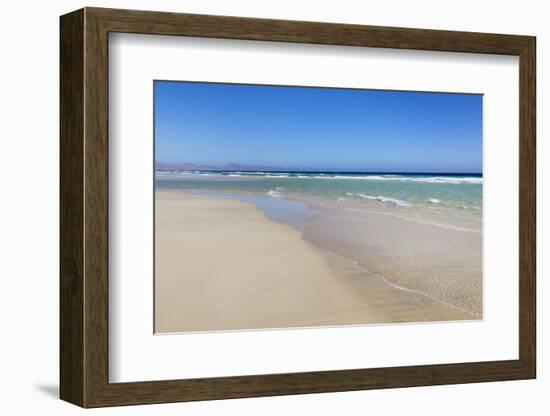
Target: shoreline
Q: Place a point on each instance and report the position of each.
(336, 288)
(286, 281)
(441, 261)
(423, 221)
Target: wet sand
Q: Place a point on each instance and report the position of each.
(222, 264)
(436, 265)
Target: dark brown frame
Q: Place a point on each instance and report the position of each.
(84, 207)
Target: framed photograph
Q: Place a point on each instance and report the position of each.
(257, 207)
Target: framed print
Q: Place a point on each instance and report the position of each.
(256, 207)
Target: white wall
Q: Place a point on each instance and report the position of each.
(29, 208)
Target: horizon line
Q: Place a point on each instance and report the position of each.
(435, 172)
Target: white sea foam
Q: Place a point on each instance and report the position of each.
(326, 176)
(250, 173)
(386, 199)
(274, 193)
(455, 180)
(434, 200)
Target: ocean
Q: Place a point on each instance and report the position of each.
(425, 191)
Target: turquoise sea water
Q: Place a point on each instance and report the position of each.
(405, 190)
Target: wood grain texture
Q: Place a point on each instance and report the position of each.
(162, 23)
(96, 208)
(527, 208)
(84, 207)
(71, 208)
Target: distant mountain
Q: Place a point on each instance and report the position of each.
(230, 166)
(183, 166)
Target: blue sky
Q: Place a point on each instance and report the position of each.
(317, 128)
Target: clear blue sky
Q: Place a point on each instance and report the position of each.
(317, 128)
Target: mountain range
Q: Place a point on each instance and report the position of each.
(228, 167)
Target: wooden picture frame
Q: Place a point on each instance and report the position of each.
(84, 207)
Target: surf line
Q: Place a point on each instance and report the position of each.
(395, 286)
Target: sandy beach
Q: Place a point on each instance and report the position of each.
(222, 264)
